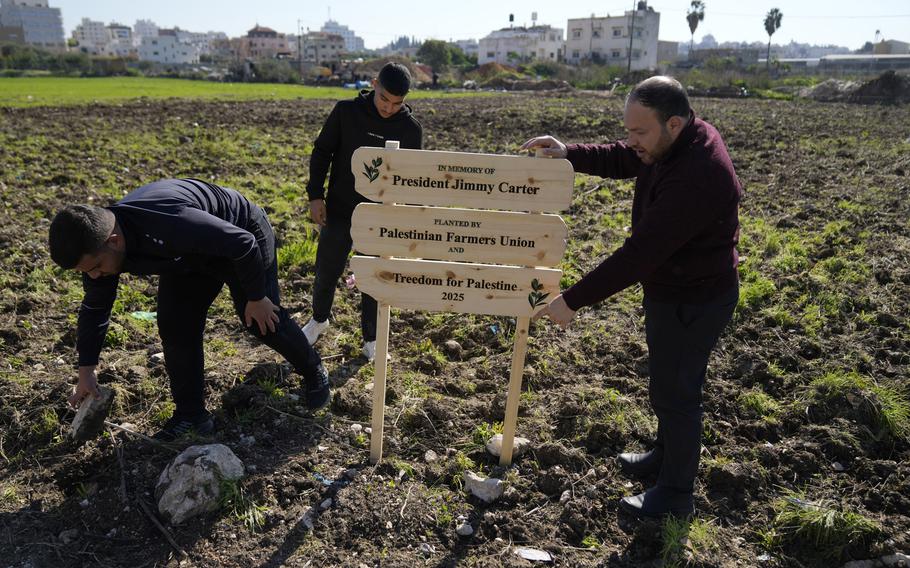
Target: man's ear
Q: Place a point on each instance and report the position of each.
(374, 83)
(116, 241)
(675, 124)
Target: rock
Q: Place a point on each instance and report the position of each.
(157, 358)
(861, 564)
(430, 456)
(519, 445)
(306, 519)
(453, 349)
(191, 483)
(465, 529)
(356, 428)
(92, 413)
(68, 536)
(896, 559)
(485, 489)
(534, 554)
(566, 496)
(325, 504)
(426, 549)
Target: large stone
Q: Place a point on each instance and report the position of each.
(191, 483)
(519, 445)
(485, 489)
(92, 413)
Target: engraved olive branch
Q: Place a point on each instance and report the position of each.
(537, 298)
(372, 172)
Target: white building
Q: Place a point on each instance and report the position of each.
(468, 46)
(144, 28)
(607, 40)
(520, 44)
(41, 25)
(167, 48)
(120, 41)
(352, 43)
(92, 37)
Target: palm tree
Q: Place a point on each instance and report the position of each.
(695, 14)
(772, 23)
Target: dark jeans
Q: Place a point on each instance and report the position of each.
(331, 257)
(680, 339)
(183, 303)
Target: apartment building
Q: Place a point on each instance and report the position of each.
(521, 44)
(33, 22)
(608, 40)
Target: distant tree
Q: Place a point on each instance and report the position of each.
(695, 14)
(866, 48)
(435, 53)
(772, 23)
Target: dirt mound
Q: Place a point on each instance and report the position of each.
(373, 66)
(493, 69)
(829, 91)
(889, 88)
(526, 84)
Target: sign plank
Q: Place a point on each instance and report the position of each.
(485, 181)
(466, 235)
(456, 287)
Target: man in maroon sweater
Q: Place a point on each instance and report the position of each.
(682, 249)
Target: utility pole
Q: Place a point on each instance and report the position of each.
(299, 49)
(632, 34)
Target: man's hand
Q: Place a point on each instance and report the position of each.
(263, 312)
(558, 311)
(87, 385)
(551, 147)
(317, 211)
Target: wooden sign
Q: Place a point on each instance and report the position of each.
(456, 287)
(497, 239)
(484, 181)
(466, 235)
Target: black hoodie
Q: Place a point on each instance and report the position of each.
(352, 124)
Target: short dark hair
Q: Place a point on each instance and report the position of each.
(395, 78)
(665, 95)
(78, 230)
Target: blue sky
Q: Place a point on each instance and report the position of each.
(806, 21)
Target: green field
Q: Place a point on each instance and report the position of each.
(56, 91)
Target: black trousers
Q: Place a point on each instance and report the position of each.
(680, 339)
(183, 303)
(331, 257)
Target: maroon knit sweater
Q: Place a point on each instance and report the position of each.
(685, 220)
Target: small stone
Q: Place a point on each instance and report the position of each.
(157, 358)
(84, 503)
(519, 445)
(251, 468)
(68, 536)
(566, 496)
(367, 430)
(306, 519)
(426, 549)
(325, 504)
(485, 489)
(534, 554)
(294, 397)
(465, 529)
(837, 466)
(453, 349)
(388, 525)
(356, 428)
(430, 456)
(321, 448)
(38, 367)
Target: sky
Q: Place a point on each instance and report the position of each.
(839, 22)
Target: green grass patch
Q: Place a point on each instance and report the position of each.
(820, 524)
(889, 406)
(59, 91)
(685, 541)
(240, 506)
(760, 403)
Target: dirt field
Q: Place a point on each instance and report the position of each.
(807, 435)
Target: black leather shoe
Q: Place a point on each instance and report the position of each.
(659, 502)
(642, 465)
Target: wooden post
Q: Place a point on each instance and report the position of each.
(381, 366)
(518, 363)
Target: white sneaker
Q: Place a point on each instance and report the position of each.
(313, 329)
(369, 351)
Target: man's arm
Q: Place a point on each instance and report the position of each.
(323, 151)
(615, 160)
(94, 319)
(679, 213)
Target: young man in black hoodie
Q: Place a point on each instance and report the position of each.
(197, 236)
(370, 119)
